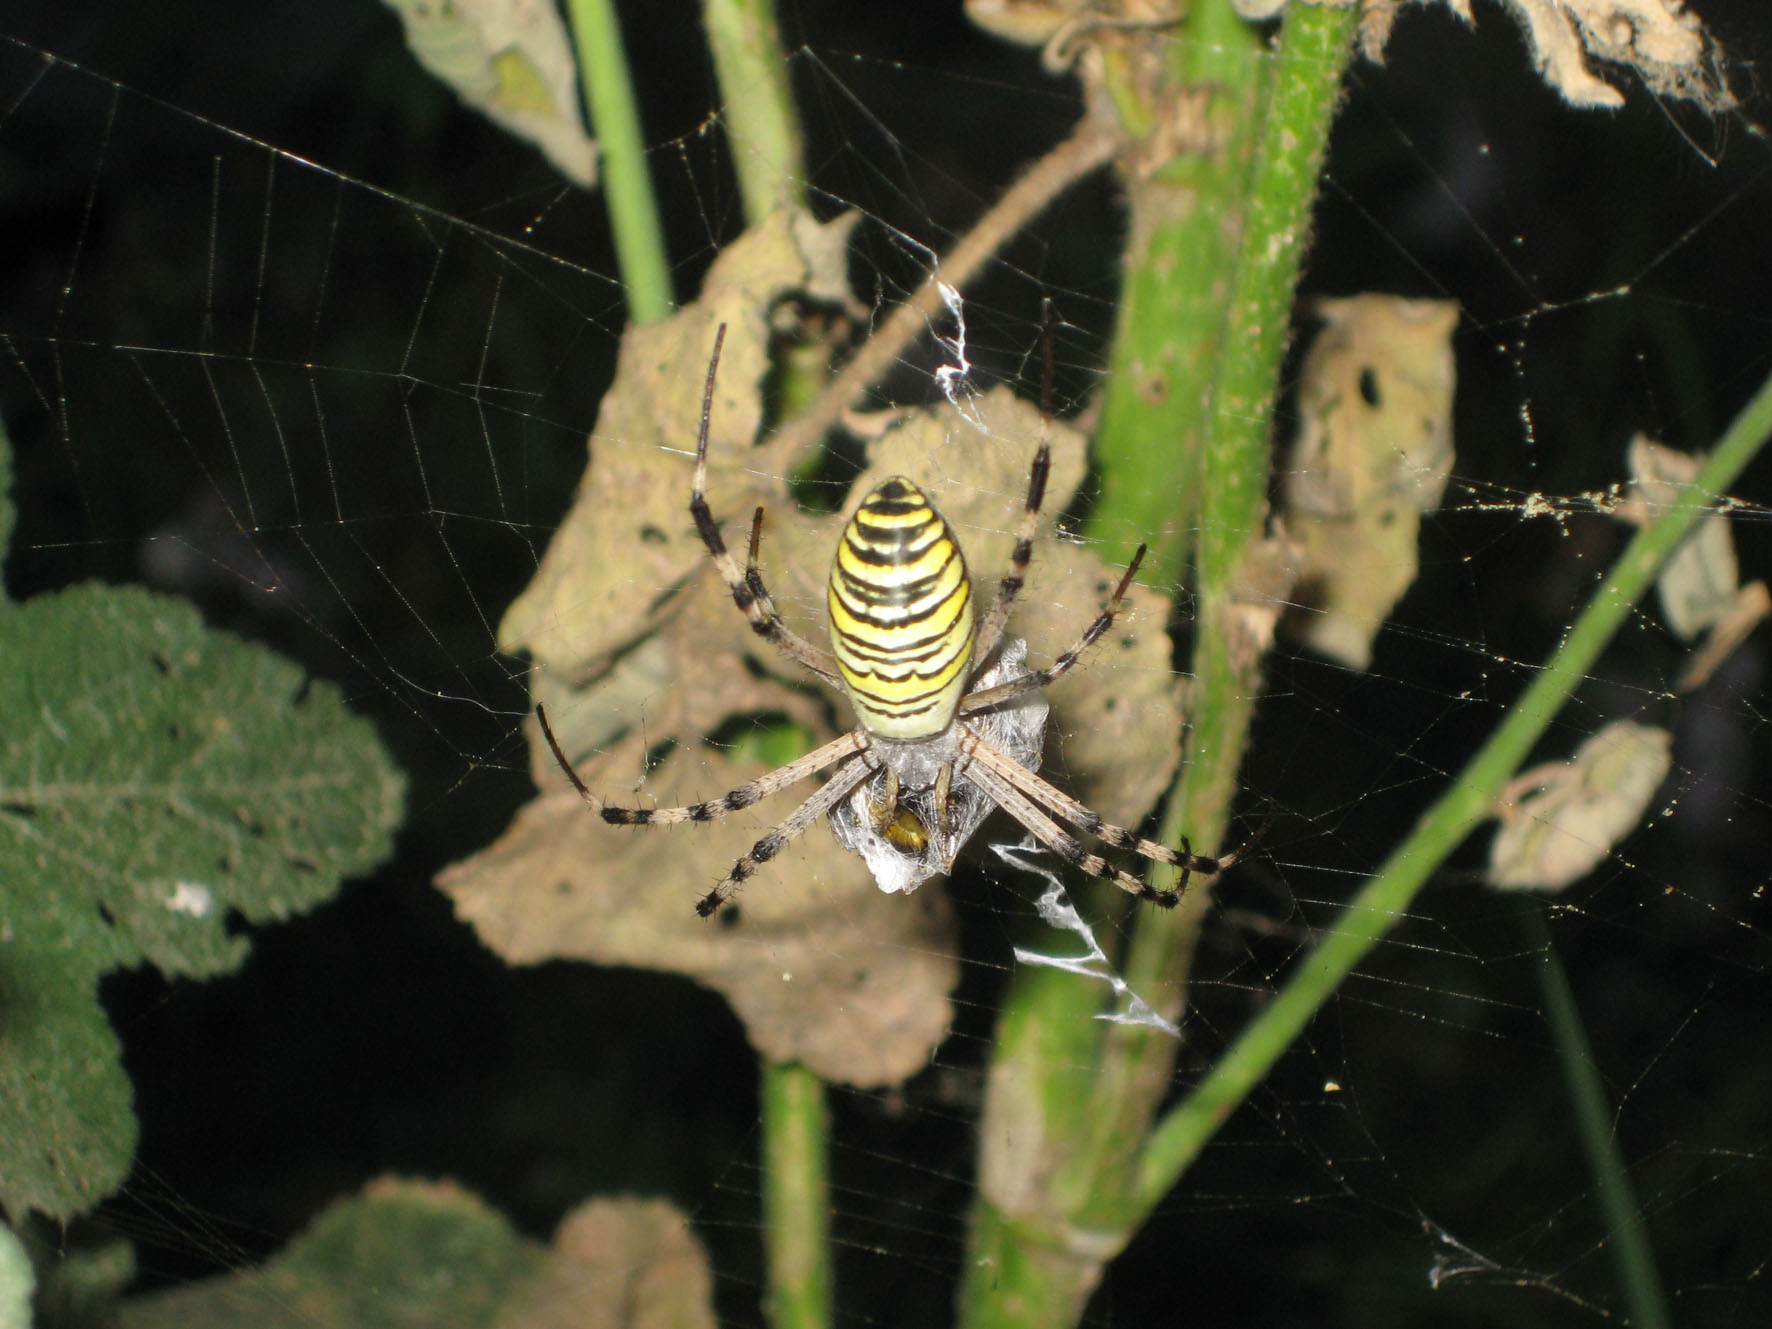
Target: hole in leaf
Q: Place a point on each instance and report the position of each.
(656, 754)
(1369, 387)
(767, 737)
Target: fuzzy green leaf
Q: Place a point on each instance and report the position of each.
(404, 1253)
(407, 1254)
(160, 783)
(8, 513)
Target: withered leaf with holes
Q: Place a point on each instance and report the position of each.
(640, 649)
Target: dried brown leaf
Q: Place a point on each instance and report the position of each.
(1698, 585)
(512, 61)
(1661, 40)
(821, 967)
(1559, 820)
(627, 539)
(1373, 452)
(1751, 607)
(626, 1263)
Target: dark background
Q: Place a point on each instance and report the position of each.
(377, 1036)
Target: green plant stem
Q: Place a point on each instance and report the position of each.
(1469, 799)
(1233, 625)
(1185, 219)
(627, 184)
(765, 136)
(1071, 1096)
(767, 146)
(1236, 437)
(1626, 1238)
(796, 1196)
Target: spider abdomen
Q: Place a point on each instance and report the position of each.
(901, 613)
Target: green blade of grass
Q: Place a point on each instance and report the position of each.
(1633, 1259)
(1469, 799)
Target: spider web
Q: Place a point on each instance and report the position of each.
(290, 334)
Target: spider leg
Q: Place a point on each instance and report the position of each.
(742, 797)
(1061, 841)
(1087, 820)
(835, 790)
(746, 584)
(1016, 687)
(990, 631)
(885, 812)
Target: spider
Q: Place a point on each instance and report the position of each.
(950, 723)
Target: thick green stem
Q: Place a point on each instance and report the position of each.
(1021, 1271)
(1235, 439)
(627, 185)
(1469, 799)
(1184, 226)
(1203, 320)
(1233, 624)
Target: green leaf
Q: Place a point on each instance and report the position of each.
(17, 1282)
(428, 1253)
(403, 1253)
(8, 513)
(159, 784)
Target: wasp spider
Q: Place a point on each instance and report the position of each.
(950, 719)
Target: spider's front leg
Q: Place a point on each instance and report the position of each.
(745, 583)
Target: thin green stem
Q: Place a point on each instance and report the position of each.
(765, 134)
(767, 146)
(1469, 799)
(627, 184)
(1626, 1238)
(796, 1197)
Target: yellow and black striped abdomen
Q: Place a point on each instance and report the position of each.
(901, 613)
